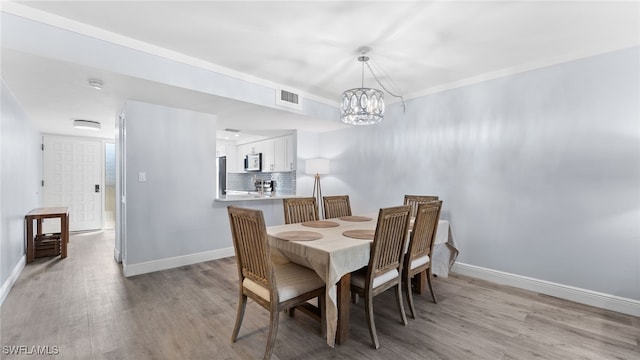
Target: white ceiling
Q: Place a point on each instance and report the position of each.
(418, 47)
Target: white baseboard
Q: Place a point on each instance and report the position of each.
(174, 262)
(116, 255)
(13, 277)
(588, 297)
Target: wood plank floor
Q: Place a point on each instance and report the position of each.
(89, 310)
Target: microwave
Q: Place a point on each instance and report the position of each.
(253, 162)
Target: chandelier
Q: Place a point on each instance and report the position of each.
(364, 106)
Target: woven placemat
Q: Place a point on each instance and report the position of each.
(360, 234)
(299, 235)
(320, 224)
(355, 218)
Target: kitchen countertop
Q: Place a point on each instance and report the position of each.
(251, 196)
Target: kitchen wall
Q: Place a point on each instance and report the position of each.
(539, 171)
(20, 175)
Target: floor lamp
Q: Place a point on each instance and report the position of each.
(317, 167)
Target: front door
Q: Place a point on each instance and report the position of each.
(72, 177)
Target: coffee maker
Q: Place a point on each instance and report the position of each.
(265, 186)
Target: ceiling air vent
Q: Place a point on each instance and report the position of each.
(289, 99)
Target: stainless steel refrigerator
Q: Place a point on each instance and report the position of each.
(221, 168)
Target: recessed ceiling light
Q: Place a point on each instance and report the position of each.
(96, 84)
(86, 124)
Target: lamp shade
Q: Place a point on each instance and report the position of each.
(316, 166)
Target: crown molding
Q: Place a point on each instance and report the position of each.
(111, 37)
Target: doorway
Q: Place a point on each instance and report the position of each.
(72, 177)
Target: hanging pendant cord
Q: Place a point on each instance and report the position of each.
(404, 106)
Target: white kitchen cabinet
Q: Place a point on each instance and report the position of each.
(241, 151)
(232, 160)
(230, 151)
(268, 154)
(253, 148)
(291, 157)
(278, 154)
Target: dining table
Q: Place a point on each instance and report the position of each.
(323, 246)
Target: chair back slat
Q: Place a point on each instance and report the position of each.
(389, 240)
(297, 210)
(336, 206)
(415, 200)
(251, 245)
(256, 270)
(424, 229)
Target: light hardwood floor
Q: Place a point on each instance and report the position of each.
(86, 307)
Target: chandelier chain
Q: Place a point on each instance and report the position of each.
(404, 107)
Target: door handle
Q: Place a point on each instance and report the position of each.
(97, 188)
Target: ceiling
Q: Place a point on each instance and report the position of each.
(417, 47)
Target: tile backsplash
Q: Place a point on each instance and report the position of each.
(285, 181)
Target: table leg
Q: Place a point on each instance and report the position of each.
(64, 236)
(38, 226)
(30, 244)
(67, 228)
(344, 304)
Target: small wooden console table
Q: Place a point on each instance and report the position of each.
(47, 213)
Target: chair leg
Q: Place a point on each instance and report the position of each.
(433, 293)
(273, 330)
(409, 295)
(403, 316)
(242, 305)
(368, 305)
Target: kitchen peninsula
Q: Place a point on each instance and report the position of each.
(250, 196)
(270, 204)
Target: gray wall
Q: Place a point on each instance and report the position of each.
(19, 180)
(171, 213)
(539, 171)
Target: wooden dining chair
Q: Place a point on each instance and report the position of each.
(274, 287)
(415, 200)
(297, 210)
(336, 206)
(418, 257)
(385, 263)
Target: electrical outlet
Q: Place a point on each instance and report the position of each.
(142, 176)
